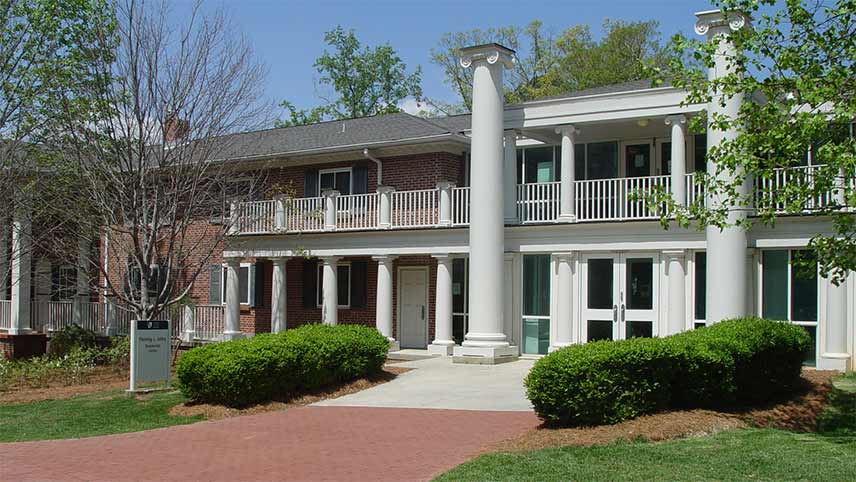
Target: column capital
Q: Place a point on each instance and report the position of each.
(674, 253)
(511, 134)
(279, 259)
(567, 130)
(385, 189)
(232, 260)
(330, 193)
(676, 119)
(446, 184)
(714, 22)
(443, 257)
(491, 53)
(385, 258)
(330, 259)
(565, 256)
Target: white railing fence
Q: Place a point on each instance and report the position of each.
(357, 211)
(460, 206)
(412, 209)
(538, 202)
(773, 191)
(304, 214)
(610, 199)
(208, 322)
(256, 217)
(5, 314)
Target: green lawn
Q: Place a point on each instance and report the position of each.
(736, 455)
(88, 415)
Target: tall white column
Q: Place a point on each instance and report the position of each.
(279, 296)
(564, 305)
(232, 314)
(567, 209)
(675, 264)
(330, 290)
(443, 342)
(726, 249)
(383, 316)
(678, 164)
(81, 295)
(4, 255)
(330, 205)
(384, 211)
(21, 265)
(445, 189)
(509, 177)
(188, 332)
(834, 354)
(485, 342)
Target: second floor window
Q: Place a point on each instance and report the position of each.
(338, 179)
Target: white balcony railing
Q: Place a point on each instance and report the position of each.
(5, 314)
(594, 200)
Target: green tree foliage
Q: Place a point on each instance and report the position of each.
(547, 65)
(361, 81)
(795, 70)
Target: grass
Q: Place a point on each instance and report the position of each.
(749, 454)
(93, 414)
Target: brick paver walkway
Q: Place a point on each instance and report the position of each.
(307, 443)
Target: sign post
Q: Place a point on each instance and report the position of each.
(150, 351)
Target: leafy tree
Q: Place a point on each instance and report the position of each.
(364, 81)
(795, 70)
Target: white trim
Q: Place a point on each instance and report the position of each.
(319, 270)
(398, 319)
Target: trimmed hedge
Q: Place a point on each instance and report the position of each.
(741, 361)
(264, 367)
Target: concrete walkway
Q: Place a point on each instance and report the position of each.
(307, 443)
(438, 383)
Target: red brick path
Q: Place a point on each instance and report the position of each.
(308, 443)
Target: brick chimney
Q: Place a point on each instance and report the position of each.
(175, 129)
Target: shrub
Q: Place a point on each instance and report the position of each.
(69, 338)
(736, 361)
(270, 366)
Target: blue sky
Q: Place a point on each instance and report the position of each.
(288, 35)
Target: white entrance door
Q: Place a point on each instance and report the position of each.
(620, 296)
(413, 307)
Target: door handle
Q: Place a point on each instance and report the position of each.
(615, 313)
(622, 312)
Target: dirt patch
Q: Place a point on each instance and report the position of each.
(216, 412)
(798, 413)
(99, 379)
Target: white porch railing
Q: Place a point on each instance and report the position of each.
(49, 316)
(5, 314)
(460, 206)
(538, 202)
(357, 211)
(610, 199)
(413, 209)
(208, 322)
(256, 217)
(304, 214)
(790, 177)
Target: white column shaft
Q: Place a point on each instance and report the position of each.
(443, 341)
(81, 280)
(4, 256)
(330, 291)
(564, 305)
(677, 292)
(445, 214)
(567, 210)
(330, 201)
(836, 320)
(279, 296)
(383, 305)
(678, 164)
(21, 265)
(385, 208)
(509, 177)
(232, 321)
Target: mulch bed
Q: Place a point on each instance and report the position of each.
(216, 412)
(99, 379)
(798, 413)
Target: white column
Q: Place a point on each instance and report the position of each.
(21, 262)
(834, 355)
(443, 342)
(485, 342)
(678, 164)
(564, 301)
(330, 200)
(330, 290)
(234, 218)
(188, 331)
(509, 177)
(445, 189)
(279, 213)
(675, 264)
(383, 315)
(726, 249)
(279, 296)
(232, 322)
(4, 255)
(385, 209)
(111, 308)
(567, 209)
(81, 295)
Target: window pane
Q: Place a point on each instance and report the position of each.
(775, 284)
(602, 161)
(244, 284)
(536, 285)
(459, 285)
(536, 336)
(640, 329)
(343, 276)
(579, 161)
(666, 158)
(519, 166)
(638, 160)
(700, 152)
(320, 284)
(600, 289)
(700, 286)
(343, 183)
(640, 283)
(804, 286)
(328, 180)
(811, 356)
(599, 330)
(538, 164)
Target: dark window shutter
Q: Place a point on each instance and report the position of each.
(215, 290)
(310, 283)
(359, 280)
(310, 183)
(259, 283)
(361, 180)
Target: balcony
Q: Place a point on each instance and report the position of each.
(596, 200)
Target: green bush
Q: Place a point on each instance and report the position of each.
(270, 366)
(740, 361)
(71, 337)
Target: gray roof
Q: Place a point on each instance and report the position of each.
(631, 85)
(332, 135)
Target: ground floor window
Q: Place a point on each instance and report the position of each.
(343, 285)
(789, 290)
(460, 298)
(700, 289)
(217, 284)
(536, 303)
(65, 283)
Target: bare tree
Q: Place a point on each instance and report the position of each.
(147, 147)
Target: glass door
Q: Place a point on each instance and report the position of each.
(536, 304)
(619, 296)
(637, 160)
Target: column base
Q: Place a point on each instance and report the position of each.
(833, 361)
(484, 355)
(188, 336)
(232, 335)
(441, 349)
(567, 218)
(394, 345)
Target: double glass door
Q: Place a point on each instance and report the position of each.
(620, 296)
